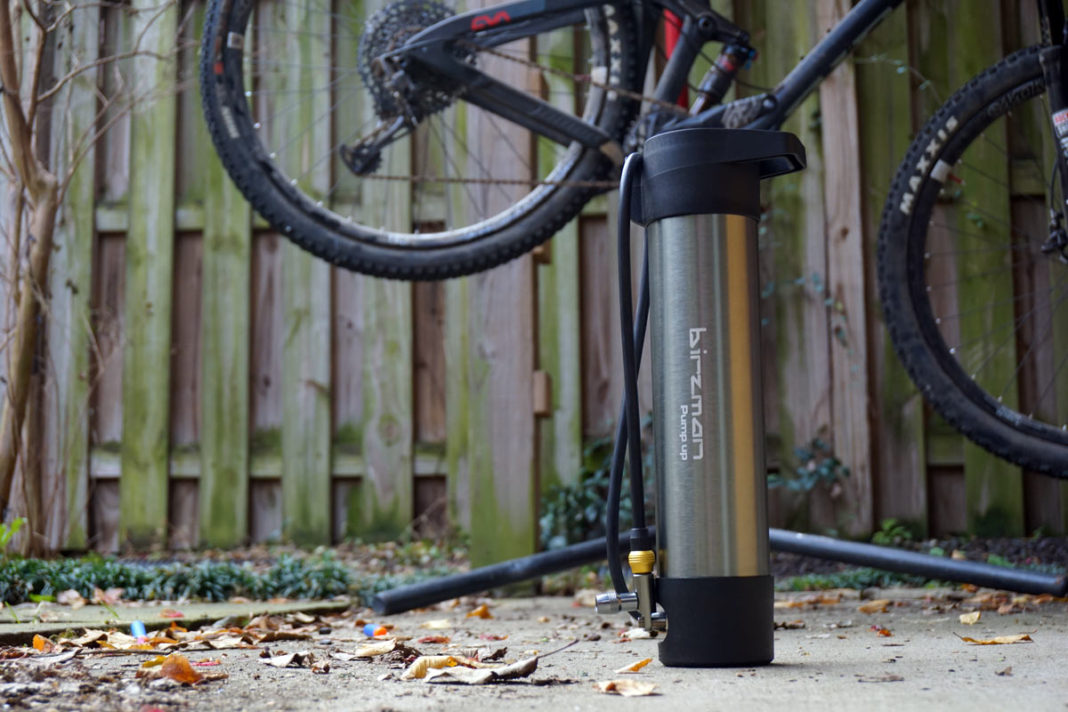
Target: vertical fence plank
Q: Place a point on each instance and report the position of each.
(846, 281)
(883, 100)
(304, 133)
(500, 356)
(794, 254)
(225, 339)
(387, 489)
(149, 253)
(457, 402)
(67, 399)
(559, 306)
(601, 358)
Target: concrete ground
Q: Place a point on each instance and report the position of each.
(908, 653)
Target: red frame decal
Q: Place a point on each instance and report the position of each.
(481, 22)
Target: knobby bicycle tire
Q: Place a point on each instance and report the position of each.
(264, 94)
(975, 309)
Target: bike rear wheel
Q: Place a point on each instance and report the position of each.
(287, 83)
(977, 311)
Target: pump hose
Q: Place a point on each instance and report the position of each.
(628, 429)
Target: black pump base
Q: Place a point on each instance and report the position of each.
(718, 621)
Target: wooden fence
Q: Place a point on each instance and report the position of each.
(209, 384)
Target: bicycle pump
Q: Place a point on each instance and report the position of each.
(698, 198)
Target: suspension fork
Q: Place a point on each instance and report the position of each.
(1054, 61)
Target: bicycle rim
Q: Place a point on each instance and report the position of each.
(464, 190)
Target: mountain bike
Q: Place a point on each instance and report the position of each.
(420, 143)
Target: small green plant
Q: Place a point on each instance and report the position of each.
(892, 533)
(575, 513)
(817, 466)
(8, 531)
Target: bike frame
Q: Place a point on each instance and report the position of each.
(430, 52)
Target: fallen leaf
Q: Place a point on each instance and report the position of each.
(437, 624)
(1007, 672)
(177, 668)
(379, 647)
(321, 667)
(300, 659)
(493, 637)
(154, 662)
(438, 639)
(627, 688)
(790, 625)
(108, 598)
(275, 636)
(970, 618)
(207, 663)
(421, 665)
(43, 645)
(880, 678)
(71, 598)
(635, 666)
(482, 611)
(171, 613)
(877, 606)
(879, 630)
(1000, 640)
(789, 604)
(465, 675)
(1008, 608)
(585, 598)
(635, 634)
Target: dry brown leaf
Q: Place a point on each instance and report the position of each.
(635, 634)
(877, 606)
(627, 688)
(789, 604)
(379, 647)
(419, 667)
(275, 636)
(154, 662)
(177, 668)
(482, 611)
(108, 598)
(436, 639)
(1000, 640)
(171, 613)
(970, 618)
(635, 666)
(43, 645)
(1008, 608)
(1007, 672)
(321, 667)
(300, 659)
(228, 642)
(71, 598)
(437, 624)
(465, 675)
(790, 625)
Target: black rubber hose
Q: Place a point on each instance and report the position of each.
(633, 357)
(626, 322)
